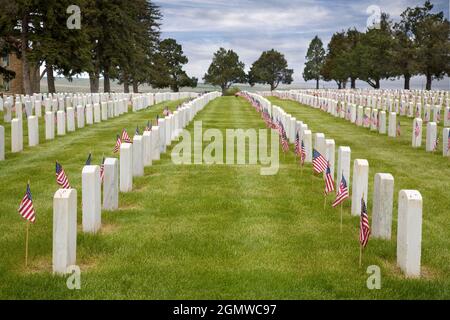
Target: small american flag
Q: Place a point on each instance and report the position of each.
(102, 170)
(342, 193)
(61, 178)
(319, 162)
(26, 208)
(137, 133)
(303, 153)
(436, 144)
(118, 144)
(329, 183)
(417, 130)
(125, 137)
(148, 127)
(364, 230)
(297, 144)
(89, 159)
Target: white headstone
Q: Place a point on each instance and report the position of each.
(360, 184)
(2, 143)
(126, 167)
(330, 154)
(89, 115)
(343, 167)
(61, 123)
(104, 107)
(147, 147)
(383, 201)
(64, 230)
(417, 133)
(111, 184)
(97, 113)
(70, 119)
(80, 116)
(445, 139)
(91, 199)
(447, 117)
(307, 140)
(382, 124)
(16, 136)
(319, 143)
(38, 109)
(409, 232)
(33, 131)
(162, 135)
(138, 157)
(49, 125)
(392, 132)
(431, 137)
(156, 154)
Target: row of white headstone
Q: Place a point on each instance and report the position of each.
(387, 100)
(409, 235)
(118, 176)
(376, 119)
(69, 119)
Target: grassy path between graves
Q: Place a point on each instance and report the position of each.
(218, 231)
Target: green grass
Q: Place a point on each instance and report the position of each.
(218, 231)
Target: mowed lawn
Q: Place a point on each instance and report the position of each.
(220, 231)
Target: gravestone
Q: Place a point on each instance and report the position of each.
(445, 140)
(97, 113)
(49, 125)
(437, 114)
(61, 123)
(89, 115)
(38, 108)
(80, 117)
(343, 167)
(156, 154)
(382, 124)
(360, 184)
(64, 230)
(138, 157)
(359, 116)
(319, 143)
(307, 140)
(16, 136)
(18, 107)
(2, 143)
(70, 119)
(417, 136)
(374, 120)
(147, 147)
(383, 201)
(104, 107)
(111, 184)
(392, 132)
(330, 153)
(126, 167)
(162, 135)
(7, 112)
(33, 131)
(447, 117)
(91, 199)
(409, 232)
(431, 137)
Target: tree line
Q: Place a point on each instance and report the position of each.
(419, 44)
(117, 40)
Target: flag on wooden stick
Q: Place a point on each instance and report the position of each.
(342, 193)
(364, 232)
(329, 183)
(26, 208)
(118, 144)
(319, 162)
(61, 178)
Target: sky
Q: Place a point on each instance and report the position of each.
(250, 27)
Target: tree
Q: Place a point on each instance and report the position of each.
(334, 67)
(315, 58)
(431, 33)
(272, 69)
(225, 70)
(351, 58)
(170, 60)
(375, 52)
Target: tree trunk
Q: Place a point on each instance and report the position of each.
(25, 63)
(339, 84)
(135, 87)
(377, 84)
(353, 83)
(126, 83)
(106, 81)
(317, 83)
(175, 88)
(224, 89)
(94, 82)
(407, 81)
(50, 78)
(429, 81)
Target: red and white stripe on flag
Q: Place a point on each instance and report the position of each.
(26, 208)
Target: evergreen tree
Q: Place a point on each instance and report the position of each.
(315, 59)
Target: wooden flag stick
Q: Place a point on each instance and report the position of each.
(324, 201)
(26, 244)
(341, 216)
(360, 255)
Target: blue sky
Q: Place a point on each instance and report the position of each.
(250, 26)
